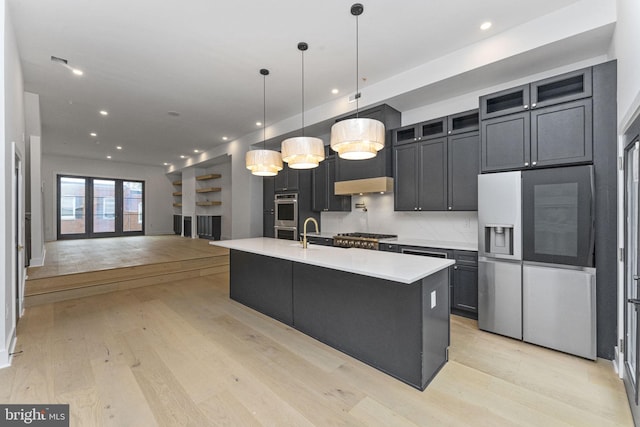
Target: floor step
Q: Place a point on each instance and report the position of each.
(63, 287)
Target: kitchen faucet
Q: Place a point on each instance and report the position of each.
(304, 231)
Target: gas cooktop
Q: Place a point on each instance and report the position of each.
(360, 240)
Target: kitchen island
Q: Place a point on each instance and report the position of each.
(388, 310)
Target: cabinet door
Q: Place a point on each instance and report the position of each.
(505, 143)
(406, 173)
(562, 88)
(432, 175)
(509, 101)
(287, 179)
(334, 203)
(268, 193)
(319, 188)
(268, 222)
(465, 288)
(405, 135)
(463, 153)
(562, 134)
(468, 121)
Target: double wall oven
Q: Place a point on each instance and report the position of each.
(286, 216)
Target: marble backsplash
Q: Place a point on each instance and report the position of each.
(381, 218)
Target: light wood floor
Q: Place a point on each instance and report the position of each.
(184, 354)
(83, 255)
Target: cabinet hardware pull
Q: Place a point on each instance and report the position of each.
(533, 105)
(525, 106)
(415, 209)
(636, 277)
(455, 268)
(634, 301)
(526, 163)
(450, 208)
(534, 163)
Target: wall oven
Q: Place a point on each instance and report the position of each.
(286, 216)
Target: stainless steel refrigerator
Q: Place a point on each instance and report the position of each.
(536, 275)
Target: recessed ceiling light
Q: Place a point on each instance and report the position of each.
(196, 151)
(93, 134)
(104, 112)
(224, 138)
(258, 123)
(118, 147)
(335, 91)
(485, 25)
(165, 164)
(183, 156)
(108, 157)
(77, 72)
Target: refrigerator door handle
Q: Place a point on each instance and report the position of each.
(634, 301)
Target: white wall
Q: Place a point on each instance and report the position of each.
(36, 194)
(12, 123)
(380, 217)
(158, 189)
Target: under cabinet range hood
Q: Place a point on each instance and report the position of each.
(383, 184)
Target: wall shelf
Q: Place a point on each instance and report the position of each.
(177, 193)
(177, 205)
(177, 182)
(208, 176)
(209, 203)
(209, 190)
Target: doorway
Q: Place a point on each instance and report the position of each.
(631, 370)
(90, 207)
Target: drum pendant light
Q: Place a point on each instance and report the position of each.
(302, 152)
(359, 138)
(264, 162)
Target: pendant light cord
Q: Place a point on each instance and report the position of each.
(302, 51)
(264, 112)
(357, 69)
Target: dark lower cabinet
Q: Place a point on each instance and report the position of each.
(389, 247)
(464, 288)
(209, 226)
(177, 224)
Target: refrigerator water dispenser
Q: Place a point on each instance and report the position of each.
(499, 239)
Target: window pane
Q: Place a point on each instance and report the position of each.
(72, 207)
(104, 207)
(132, 206)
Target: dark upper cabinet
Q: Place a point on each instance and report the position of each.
(381, 164)
(432, 175)
(421, 176)
(505, 142)
(422, 131)
(509, 101)
(552, 126)
(287, 179)
(551, 91)
(268, 206)
(563, 88)
(439, 174)
(562, 134)
(549, 136)
(463, 156)
(467, 121)
(324, 197)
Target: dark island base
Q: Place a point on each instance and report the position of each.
(389, 325)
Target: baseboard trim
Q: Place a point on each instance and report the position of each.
(6, 355)
(38, 262)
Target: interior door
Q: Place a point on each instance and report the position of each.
(631, 291)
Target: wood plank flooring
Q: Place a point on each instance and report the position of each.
(182, 353)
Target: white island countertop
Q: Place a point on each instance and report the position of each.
(383, 265)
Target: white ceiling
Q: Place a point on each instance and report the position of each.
(144, 58)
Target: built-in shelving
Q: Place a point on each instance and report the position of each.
(208, 176)
(177, 182)
(209, 190)
(177, 193)
(209, 203)
(177, 205)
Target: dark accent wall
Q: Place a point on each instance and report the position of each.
(606, 166)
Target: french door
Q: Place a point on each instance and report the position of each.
(631, 266)
(99, 207)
